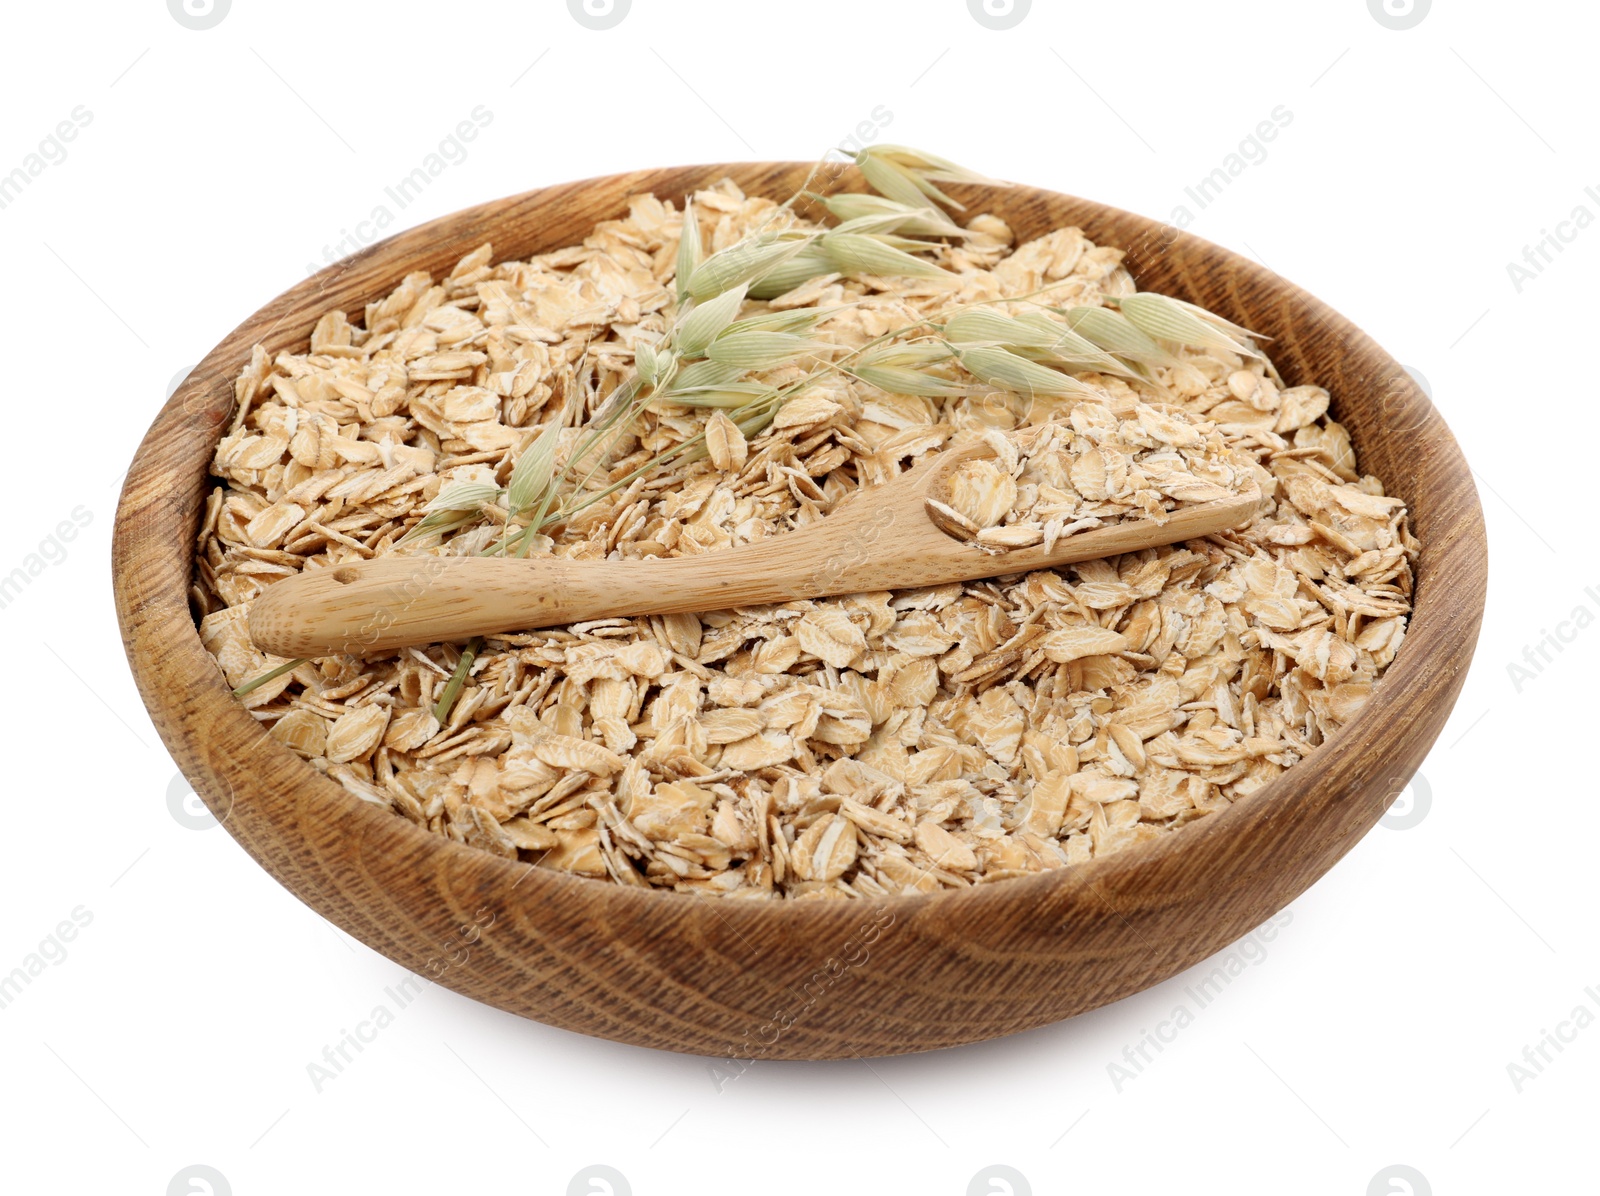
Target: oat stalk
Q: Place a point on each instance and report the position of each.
(452, 689)
(256, 683)
(709, 358)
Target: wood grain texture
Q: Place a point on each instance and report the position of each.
(807, 979)
(881, 538)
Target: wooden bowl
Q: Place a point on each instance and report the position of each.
(808, 979)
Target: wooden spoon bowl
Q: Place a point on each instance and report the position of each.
(802, 979)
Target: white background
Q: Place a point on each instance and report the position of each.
(1379, 1026)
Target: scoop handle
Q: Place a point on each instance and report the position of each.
(878, 539)
(394, 601)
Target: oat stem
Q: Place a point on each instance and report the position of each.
(452, 689)
(257, 682)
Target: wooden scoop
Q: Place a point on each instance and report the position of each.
(881, 538)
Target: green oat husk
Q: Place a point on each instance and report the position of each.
(1171, 320)
(694, 331)
(744, 262)
(1008, 371)
(756, 351)
(908, 176)
(690, 250)
(918, 219)
(1116, 334)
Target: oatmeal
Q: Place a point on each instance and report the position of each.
(1089, 469)
(864, 745)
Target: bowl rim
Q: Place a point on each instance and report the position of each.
(160, 633)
